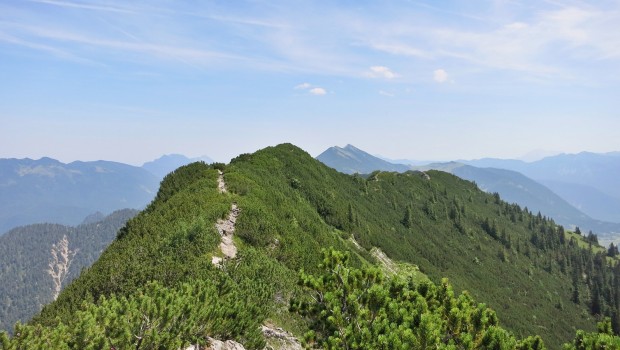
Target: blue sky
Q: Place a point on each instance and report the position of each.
(131, 80)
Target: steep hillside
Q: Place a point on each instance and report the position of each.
(351, 160)
(514, 187)
(28, 281)
(539, 279)
(46, 190)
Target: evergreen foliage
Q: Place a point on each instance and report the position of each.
(154, 318)
(522, 265)
(604, 339)
(168, 242)
(360, 309)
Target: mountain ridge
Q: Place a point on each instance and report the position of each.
(291, 206)
(350, 160)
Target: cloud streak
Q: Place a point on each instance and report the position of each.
(549, 44)
(56, 38)
(551, 41)
(311, 89)
(75, 5)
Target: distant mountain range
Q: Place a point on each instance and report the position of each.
(507, 178)
(47, 190)
(588, 181)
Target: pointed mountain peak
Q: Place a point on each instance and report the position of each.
(350, 159)
(352, 148)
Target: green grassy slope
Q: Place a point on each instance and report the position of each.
(292, 206)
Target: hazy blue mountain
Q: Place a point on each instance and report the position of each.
(589, 181)
(46, 190)
(25, 254)
(601, 171)
(510, 164)
(406, 161)
(588, 199)
(351, 160)
(537, 154)
(165, 164)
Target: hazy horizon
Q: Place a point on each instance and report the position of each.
(528, 157)
(418, 80)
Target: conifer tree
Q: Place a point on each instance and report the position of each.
(408, 218)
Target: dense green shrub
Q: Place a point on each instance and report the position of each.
(154, 318)
(350, 308)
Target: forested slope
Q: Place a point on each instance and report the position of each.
(519, 263)
(539, 279)
(26, 254)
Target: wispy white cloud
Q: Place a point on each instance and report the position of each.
(542, 40)
(163, 51)
(382, 72)
(54, 51)
(311, 89)
(303, 86)
(317, 91)
(151, 35)
(252, 46)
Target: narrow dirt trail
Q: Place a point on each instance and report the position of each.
(277, 338)
(226, 228)
(221, 185)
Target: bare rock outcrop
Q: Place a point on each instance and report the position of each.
(226, 228)
(221, 185)
(59, 264)
(280, 339)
